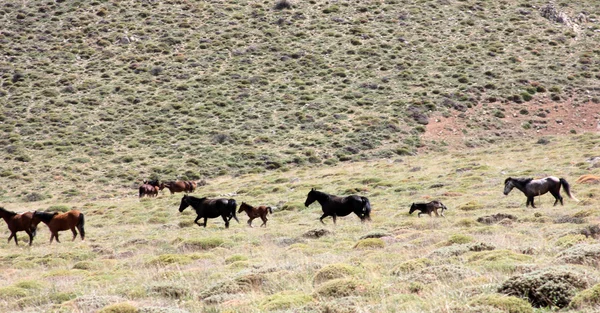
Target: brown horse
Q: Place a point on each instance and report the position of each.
(18, 222)
(335, 206)
(61, 221)
(427, 208)
(537, 187)
(179, 186)
(148, 190)
(254, 212)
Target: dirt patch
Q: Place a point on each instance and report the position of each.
(499, 120)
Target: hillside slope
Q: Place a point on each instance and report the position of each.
(117, 91)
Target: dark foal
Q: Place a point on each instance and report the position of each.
(254, 212)
(428, 208)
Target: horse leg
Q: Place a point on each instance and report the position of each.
(436, 213)
(322, 217)
(264, 219)
(226, 221)
(74, 233)
(13, 235)
(250, 222)
(196, 220)
(334, 218)
(56, 235)
(419, 215)
(30, 236)
(205, 221)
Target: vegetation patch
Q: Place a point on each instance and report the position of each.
(343, 287)
(119, 308)
(589, 298)
(334, 271)
(444, 273)
(411, 266)
(470, 206)
(492, 219)
(285, 300)
(170, 291)
(202, 243)
(168, 259)
(588, 254)
(508, 304)
(553, 287)
(237, 285)
(11, 292)
(316, 233)
(570, 240)
(370, 243)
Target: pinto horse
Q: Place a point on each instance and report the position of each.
(61, 221)
(537, 187)
(335, 206)
(254, 212)
(179, 186)
(148, 190)
(210, 208)
(18, 222)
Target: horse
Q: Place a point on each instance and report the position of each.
(537, 187)
(18, 222)
(148, 190)
(254, 212)
(335, 206)
(179, 186)
(210, 208)
(61, 221)
(427, 208)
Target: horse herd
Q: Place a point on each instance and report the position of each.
(206, 208)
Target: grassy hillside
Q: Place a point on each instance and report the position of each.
(112, 92)
(146, 256)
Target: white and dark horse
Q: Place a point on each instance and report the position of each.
(537, 187)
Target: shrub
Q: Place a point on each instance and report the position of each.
(570, 240)
(492, 219)
(446, 272)
(333, 271)
(589, 298)
(581, 254)
(170, 291)
(459, 239)
(119, 308)
(34, 197)
(237, 285)
(370, 243)
(236, 258)
(411, 265)
(470, 206)
(545, 288)
(202, 243)
(166, 259)
(316, 233)
(58, 208)
(11, 292)
(508, 304)
(282, 4)
(285, 300)
(342, 287)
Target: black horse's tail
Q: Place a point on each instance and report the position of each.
(366, 208)
(567, 188)
(141, 191)
(80, 226)
(270, 210)
(231, 205)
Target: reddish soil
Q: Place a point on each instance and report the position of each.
(545, 118)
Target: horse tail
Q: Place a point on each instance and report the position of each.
(231, 204)
(141, 191)
(80, 225)
(270, 210)
(366, 207)
(567, 188)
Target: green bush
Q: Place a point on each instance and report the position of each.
(589, 298)
(553, 287)
(411, 266)
(285, 300)
(370, 243)
(343, 287)
(588, 254)
(203, 243)
(119, 308)
(333, 271)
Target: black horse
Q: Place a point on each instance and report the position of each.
(335, 206)
(537, 187)
(210, 208)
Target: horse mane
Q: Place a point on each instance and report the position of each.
(45, 216)
(7, 211)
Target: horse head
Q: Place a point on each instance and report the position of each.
(508, 185)
(243, 207)
(184, 203)
(413, 208)
(311, 197)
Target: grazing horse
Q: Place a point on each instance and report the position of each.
(335, 206)
(18, 222)
(537, 187)
(148, 190)
(179, 186)
(427, 208)
(254, 212)
(210, 208)
(61, 221)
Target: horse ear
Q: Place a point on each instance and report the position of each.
(312, 189)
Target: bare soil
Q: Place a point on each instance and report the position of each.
(545, 118)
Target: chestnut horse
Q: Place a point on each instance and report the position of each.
(148, 190)
(537, 187)
(254, 212)
(179, 186)
(61, 221)
(335, 206)
(210, 208)
(18, 222)
(427, 208)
